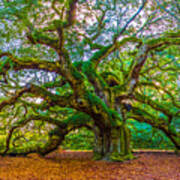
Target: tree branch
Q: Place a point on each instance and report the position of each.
(24, 121)
(71, 13)
(107, 50)
(14, 98)
(50, 98)
(153, 44)
(28, 63)
(134, 74)
(151, 84)
(37, 37)
(153, 104)
(129, 21)
(159, 124)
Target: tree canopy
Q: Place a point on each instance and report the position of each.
(67, 64)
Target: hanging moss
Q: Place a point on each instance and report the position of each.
(95, 101)
(90, 71)
(102, 81)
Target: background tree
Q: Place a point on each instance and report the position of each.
(92, 64)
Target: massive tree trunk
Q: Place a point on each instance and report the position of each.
(112, 144)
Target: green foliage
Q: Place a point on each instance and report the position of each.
(82, 139)
(145, 137)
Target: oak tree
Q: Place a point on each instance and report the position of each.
(94, 64)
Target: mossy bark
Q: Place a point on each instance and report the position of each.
(113, 144)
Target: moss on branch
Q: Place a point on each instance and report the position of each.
(16, 63)
(37, 37)
(107, 50)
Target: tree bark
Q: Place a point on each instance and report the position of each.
(113, 144)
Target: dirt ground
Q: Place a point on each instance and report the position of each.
(65, 165)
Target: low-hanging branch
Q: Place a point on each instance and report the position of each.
(76, 120)
(71, 74)
(25, 120)
(14, 98)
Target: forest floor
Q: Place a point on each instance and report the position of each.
(72, 165)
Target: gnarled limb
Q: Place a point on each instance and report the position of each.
(77, 120)
(14, 98)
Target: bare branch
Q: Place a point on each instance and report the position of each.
(129, 21)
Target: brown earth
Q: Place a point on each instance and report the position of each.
(70, 165)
